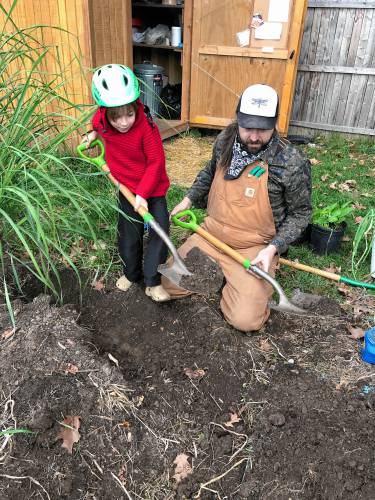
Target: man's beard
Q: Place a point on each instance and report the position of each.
(254, 147)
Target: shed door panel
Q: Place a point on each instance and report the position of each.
(221, 70)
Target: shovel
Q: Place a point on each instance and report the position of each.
(178, 268)
(327, 274)
(284, 304)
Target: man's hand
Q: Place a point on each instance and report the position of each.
(89, 137)
(140, 202)
(185, 204)
(264, 258)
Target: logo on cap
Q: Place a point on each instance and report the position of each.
(259, 102)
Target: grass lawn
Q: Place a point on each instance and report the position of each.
(342, 171)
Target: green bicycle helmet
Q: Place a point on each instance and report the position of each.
(114, 85)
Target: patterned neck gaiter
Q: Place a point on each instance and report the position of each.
(241, 158)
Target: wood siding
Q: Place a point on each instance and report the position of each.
(69, 45)
(335, 88)
(111, 34)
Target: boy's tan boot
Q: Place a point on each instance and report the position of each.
(123, 283)
(157, 293)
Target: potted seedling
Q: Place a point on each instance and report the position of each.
(328, 227)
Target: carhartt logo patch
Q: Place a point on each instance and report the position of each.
(249, 192)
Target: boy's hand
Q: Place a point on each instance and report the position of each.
(140, 202)
(89, 137)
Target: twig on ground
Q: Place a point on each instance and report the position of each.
(278, 350)
(217, 478)
(30, 479)
(236, 434)
(121, 485)
(166, 441)
(262, 380)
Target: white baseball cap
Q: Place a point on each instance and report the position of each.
(258, 107)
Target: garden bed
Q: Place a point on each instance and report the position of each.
(284, 413)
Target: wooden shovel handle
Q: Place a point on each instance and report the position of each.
(221, 246)
(125, 191)
(309, 269)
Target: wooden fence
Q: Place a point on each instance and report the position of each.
(335, 87)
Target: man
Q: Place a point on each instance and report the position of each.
(257, 189)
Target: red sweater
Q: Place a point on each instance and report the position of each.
(135, 158)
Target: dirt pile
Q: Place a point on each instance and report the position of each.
(278, 414)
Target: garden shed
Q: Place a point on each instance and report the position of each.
(209, 65)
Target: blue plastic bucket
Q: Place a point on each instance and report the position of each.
(368, 352)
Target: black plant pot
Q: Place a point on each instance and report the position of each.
(324, 241)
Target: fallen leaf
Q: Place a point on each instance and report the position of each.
(343, 289)
(125, 424)
(122, 474)
(348, 185)
(355, 333)
(366, 195)
(358, 219)
(332, 269)
(233, 419)
(98, 285)
(9, 332)
(358, 206)
(314, 161)
(199, 373)
(71, 368)
(99, 245)
(183, 468)
(69, 432)
(324, 177)
(345, 238)
(333, 185)
(265, 345)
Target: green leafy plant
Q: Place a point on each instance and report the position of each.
(363, 240)
(332, 216)
(52, 209)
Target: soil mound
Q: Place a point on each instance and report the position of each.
(173, 403)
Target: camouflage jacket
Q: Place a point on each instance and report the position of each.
(289, 189)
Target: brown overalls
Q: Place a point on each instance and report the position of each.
(239, 214)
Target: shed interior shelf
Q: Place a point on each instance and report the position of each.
(156, 5)
(150, 46)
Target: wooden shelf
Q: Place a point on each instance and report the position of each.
(156, 5)
(165, 47)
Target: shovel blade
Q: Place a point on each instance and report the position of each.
(174, 272)
(287, 307)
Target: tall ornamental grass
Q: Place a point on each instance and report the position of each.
(50, 206)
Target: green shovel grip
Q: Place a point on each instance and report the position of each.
(99, 161)
(362, 284)
(186, 224)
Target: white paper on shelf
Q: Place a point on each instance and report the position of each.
(269, 31)
(278, 11)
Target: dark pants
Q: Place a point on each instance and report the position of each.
(130, 241)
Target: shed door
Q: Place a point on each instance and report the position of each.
(221, 69)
